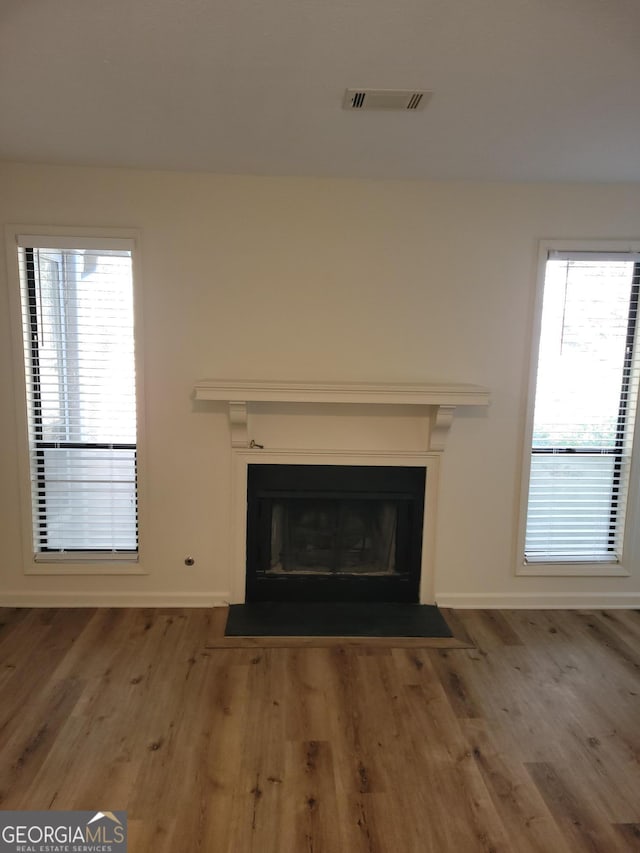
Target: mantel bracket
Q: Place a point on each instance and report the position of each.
(239, 423)
(441, 420)
(439, 399)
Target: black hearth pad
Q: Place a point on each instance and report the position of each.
(343, 619)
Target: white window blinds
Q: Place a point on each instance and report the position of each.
(585, 402)
(77, 308)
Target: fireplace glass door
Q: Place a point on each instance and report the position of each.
(334, 533)
(319, 536)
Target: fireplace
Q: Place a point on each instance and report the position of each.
(334, 532)
(365, 542)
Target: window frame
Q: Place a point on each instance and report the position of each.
(595, 568)
(70, 562)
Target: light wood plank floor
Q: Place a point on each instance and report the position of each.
(528, 741)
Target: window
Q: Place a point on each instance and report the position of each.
(78, 334)
(585, 401)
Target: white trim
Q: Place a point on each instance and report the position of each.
(86, 557)
(559, 255)
(477, 601)
(109, 599)
(20, 390)
(630, 546)
(540, 601)
(57, 241)
(437, 401)
(389, 393)
(51, 568)
(241, 458)
(123, 238)
(36, 231)
(441, 421)
(595, 569)
(239, 424)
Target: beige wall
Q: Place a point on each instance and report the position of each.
(316, 279)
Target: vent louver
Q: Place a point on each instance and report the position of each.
(385, 99)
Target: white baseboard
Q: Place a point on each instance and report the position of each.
(540, 601)
(107, 599)
(476, 601)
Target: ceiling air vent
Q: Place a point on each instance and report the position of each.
(385, 99)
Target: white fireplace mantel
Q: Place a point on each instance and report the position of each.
(439, 400)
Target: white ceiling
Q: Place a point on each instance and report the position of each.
(523, 89)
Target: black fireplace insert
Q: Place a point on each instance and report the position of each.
(334, 532)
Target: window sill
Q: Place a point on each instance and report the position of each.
(580, 570)
(84, 564)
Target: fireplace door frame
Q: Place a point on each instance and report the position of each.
(335, 486)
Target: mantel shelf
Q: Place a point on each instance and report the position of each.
(440, 399)
(385, 393)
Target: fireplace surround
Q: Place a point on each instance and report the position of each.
(344, 424)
